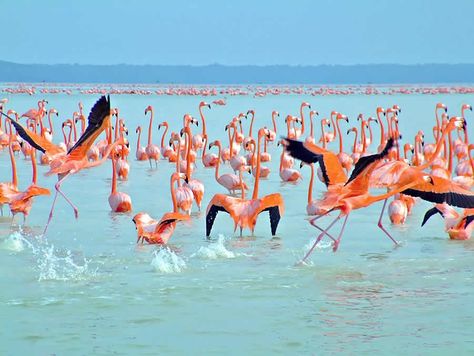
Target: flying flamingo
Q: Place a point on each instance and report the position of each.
(159, 232)
(152, 151)
(75, 160)
(119, 202)
(229, 181)
(245, 212)
(140, 154)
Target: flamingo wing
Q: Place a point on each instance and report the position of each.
(97, 117)
(273, 203)
(35, 140)
(430, 213)
(333, 172)
(211, 216)
(366, 161)
(440, 190)
(168, 219)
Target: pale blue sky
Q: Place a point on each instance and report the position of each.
(237, 32)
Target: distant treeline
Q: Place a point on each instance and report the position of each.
(251, 74)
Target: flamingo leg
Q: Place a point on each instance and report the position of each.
(320, 238)
(336, 243)
(57, 186)
(380, 225)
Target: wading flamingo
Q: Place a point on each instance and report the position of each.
(159, 232)
(245, 212)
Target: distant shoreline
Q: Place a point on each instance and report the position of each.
(366, 74)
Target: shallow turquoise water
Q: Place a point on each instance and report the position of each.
(88, 288)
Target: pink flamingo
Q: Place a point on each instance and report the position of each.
(152, 151)
(119, 202)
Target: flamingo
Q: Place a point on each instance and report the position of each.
(198, 140)
(140, 154)
(152, 151)
(458, 227)
(310, 138)
(159, 232)
(184, 195)
(273, 132)
(64, 165)
(229, 181)
(165, 151)
(195, 185)
(209, 159)
(21, 202)
(288, 174)
(245, 212)
(300, 132)
(119, 202)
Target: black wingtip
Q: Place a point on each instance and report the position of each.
(429, 214)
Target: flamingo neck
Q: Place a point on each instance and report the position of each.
(231, 139)
(117, 125)
(204, 132)
(114, 176)
(204, 140)
(302, 119)
(363, 138)
(334, 132)
(311, 126)
(163, 137)
(382, 129)
(257, 173)
(251, 125)
(323, 134)
(450, 155)
(138, 139)
(188, 155)
(50, 123)
(340, 136)
(274, 123)
(440, 144)
(150, 127)
(12, 159)
(219, 147)
(355, 141)
(437, 124)
(178, 158)
(173, 192)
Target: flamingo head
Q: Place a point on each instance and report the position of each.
(380, 110)
(203, 103)
(442, 106)
(148, 108)
(305, 104)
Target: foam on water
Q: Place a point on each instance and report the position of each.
(166, 261)
(54, 265)
(13, 242)
(215, 250)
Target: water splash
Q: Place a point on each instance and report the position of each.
(51, 263)
(54, 265)
(215, 250)
(166, 261)
(14, 242)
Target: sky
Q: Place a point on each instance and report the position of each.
(265, 32)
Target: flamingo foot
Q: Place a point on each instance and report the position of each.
(335, 246)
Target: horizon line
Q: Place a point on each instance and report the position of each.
(240, 65)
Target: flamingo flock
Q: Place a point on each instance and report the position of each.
(436, 166)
